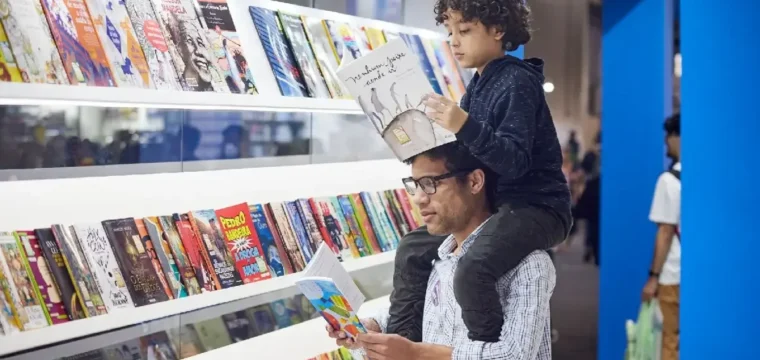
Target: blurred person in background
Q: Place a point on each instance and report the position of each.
(665, 271)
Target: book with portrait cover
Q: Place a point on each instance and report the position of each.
(390, 86)
(134, 261)
(242, 243)
(221, 262)
(155, 47)
(118, 38)
(78, 43)
(279, 54)
(332, 291)
(43, 277)
(225, 46)
(182, 27)
(30, 41)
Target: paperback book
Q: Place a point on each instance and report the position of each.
(390, 86)
(330, 289)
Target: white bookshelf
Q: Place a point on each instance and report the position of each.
(311, 335)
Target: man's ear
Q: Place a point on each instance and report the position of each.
(477, 181)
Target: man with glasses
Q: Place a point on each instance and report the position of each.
(454, 192)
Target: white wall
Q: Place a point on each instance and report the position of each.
(419, 13)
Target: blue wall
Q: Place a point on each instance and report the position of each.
(637, 97)
(720, 290)
(519, 53)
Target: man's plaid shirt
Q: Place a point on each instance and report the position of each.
(525, 293)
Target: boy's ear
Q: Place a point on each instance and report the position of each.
(497, 33)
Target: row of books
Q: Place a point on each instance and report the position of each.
(191, 45)
(192, 339)
(340, 354)
(62, 273)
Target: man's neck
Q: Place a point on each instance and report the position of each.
(475, 220)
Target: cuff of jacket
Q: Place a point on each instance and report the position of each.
(470, 132)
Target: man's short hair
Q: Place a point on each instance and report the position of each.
(457, 157)
(509, 16)
(673, 125)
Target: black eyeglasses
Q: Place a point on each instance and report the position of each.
(428, 183)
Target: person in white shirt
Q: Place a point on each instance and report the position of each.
(452, 190)
(665, 272)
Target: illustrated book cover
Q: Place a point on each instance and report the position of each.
(155, 47)
(242, 243)
(225, 46)
(57, 266)
(304, 56)
(182, 259)
(31, 312)
(221, 261)
(43, 276)
(165, 257)
(84, 282)
(390, 87)
(332, 291)
(150, 247)
(30, 41)
(196, 252)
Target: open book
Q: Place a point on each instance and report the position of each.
(332, 291)
(390, 86)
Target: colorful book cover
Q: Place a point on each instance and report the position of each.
(304, 56)
(155, 47)
(180, 256)
(415, 44)
(279, 242)
(362, 217)
(9, 320)
(165, 257)
(266, 238)
(57, 266)
(150, 247)
(452, 66)
(196, 252)
(329, 226)
(213, 333)
(78, 43)
(322, 46)
(361, 38)
(225, 46)
(394, 209)
(330, 289)
(32, 45)
(299, 229)
(242, 242)
(219, 260)
(135, 262)
(282, 223)
(182, 28)
(361, 241)
(9, 71)
(310, 225)
(381, 231)
(108, 276)
(406, 206)
(349, 235)
(375, 37)
(239, 326)
(24, 297)
(448, 71)
(344, 44)
(42, 276)
(386, 218)
(157, 346)
(280, 56)
(91, 301)
(119, 40)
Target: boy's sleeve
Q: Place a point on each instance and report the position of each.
(506, 149)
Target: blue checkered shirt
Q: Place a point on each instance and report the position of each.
(525, 293)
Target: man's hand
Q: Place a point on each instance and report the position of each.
(343, 340)
(650, 289)
(388, 347)
(445, 112)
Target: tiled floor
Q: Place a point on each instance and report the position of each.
(575, 304)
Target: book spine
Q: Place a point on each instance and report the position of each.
(26, 250)
(385, 218)
(394, 209)
(304, 210)
(288, 235)
(319, 217)
(165, 257)
(287, 262)
(291, 209)
(381, 232)
(364, 224)
(407, 207)
(270, 250)
(203, 263)
(61, 274)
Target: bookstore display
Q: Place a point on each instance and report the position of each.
(195, 46)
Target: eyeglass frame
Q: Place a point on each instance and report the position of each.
(436, 179)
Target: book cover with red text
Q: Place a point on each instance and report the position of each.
(243, 243)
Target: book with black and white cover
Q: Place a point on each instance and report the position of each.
(390, 86)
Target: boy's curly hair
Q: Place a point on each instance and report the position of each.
(509, 16)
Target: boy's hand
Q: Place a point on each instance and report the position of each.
(388, 347)
(445, 112)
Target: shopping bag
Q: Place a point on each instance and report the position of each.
(645, 335)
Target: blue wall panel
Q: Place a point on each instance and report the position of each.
(720, 289)
(637, 91)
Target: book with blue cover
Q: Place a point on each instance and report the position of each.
(415, 44)
(280, 56)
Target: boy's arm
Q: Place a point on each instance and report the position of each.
(506, 148)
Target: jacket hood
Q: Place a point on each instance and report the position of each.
(534, 66)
